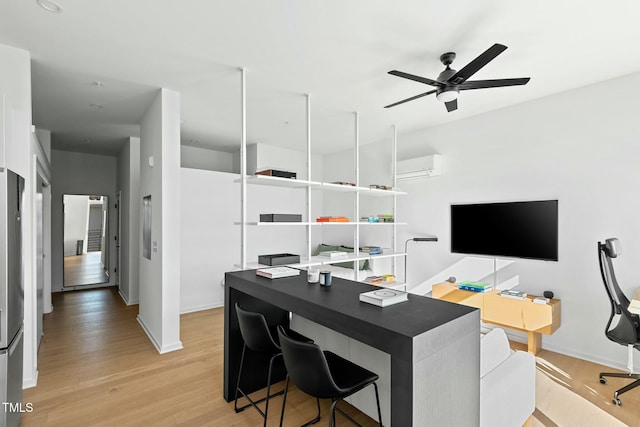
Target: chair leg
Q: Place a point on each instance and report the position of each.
(316, 419)
(284, 399)
(235, 404)
(252, 402)
(375, 387)
(266, 405)
(332, 414)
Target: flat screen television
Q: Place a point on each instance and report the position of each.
(513, 229)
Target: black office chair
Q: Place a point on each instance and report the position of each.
(258, 337)
(627, 329)
(323, 375)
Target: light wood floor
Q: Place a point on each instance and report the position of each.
(97, 367)
(84, 269)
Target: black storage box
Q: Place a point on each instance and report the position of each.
(280, 218)
(278, 173)
(279, 259)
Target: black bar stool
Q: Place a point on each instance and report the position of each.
(257, 337)
(323, 375)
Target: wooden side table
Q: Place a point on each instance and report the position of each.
(522, 315)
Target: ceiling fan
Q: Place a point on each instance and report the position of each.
(450, 82)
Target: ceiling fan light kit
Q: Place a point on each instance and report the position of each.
(450, 82)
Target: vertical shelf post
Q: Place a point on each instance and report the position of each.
(243, 170)
(394, 230)
(356, 246)
(308, 104)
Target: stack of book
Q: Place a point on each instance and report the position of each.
(380, 187)
(333, 254)
(277, 272)
(332, 219)
(383, 297)
(371, 250)
(510, 293)
(468, 285)
(384, 279)
(369, 219)
(386, 217)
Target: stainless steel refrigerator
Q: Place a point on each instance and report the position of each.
(11, 298)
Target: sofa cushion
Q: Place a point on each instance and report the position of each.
(494, 349)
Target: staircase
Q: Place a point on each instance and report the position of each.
(94, 239)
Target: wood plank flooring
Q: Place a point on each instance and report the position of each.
(84, 269)
(97, 367)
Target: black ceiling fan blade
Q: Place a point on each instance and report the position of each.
(474, 66)
(410, 99)
(416, 78)
(451, 105)
(483, 84)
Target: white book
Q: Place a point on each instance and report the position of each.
(333, 254)
(277, 272)
(383, 297)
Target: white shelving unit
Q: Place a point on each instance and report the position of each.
(307, 260)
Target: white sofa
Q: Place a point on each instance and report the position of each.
(507, 383)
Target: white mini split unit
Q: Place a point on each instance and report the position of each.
(420, 167)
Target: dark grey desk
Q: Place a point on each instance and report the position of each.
(434, 345)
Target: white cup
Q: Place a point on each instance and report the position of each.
(313, 275)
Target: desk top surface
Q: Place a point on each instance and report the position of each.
(339, 303)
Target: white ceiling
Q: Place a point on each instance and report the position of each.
(339, 51)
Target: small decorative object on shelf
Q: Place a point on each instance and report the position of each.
(332, 219)
(381, 187)
(344, 183)
(541, 300)
(280, 218)
(371, 250)
(278, 173)
(468, 285)
(333, 254)
(277, 272)
(383, 297)
(510, 293)
(384, 279)
(385, 217)
(369, 219)
(278, 259)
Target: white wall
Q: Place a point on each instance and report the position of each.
(201, 158)
(210, 243)
(75, 222)
(160, 276)
(79, 173)
(16, 154)
(576, 147)
(128, 183)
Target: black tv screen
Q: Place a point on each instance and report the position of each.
(513, 229)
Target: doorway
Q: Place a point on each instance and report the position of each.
(86, 251)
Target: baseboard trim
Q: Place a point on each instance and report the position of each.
(30, 382)
(160, 349)
(126, 301)
(202, 307)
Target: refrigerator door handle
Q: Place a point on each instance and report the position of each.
(14, 344)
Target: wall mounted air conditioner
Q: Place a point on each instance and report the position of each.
(420, 167)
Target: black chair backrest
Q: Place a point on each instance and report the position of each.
(255, 331)
(307, 367)
(627, 329)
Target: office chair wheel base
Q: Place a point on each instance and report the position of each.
(617, 401)
(603, 380)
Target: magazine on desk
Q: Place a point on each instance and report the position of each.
(384, 297)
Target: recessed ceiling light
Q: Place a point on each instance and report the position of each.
(194, 141)
(97, 83)
(95, 106)
(49, 5)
